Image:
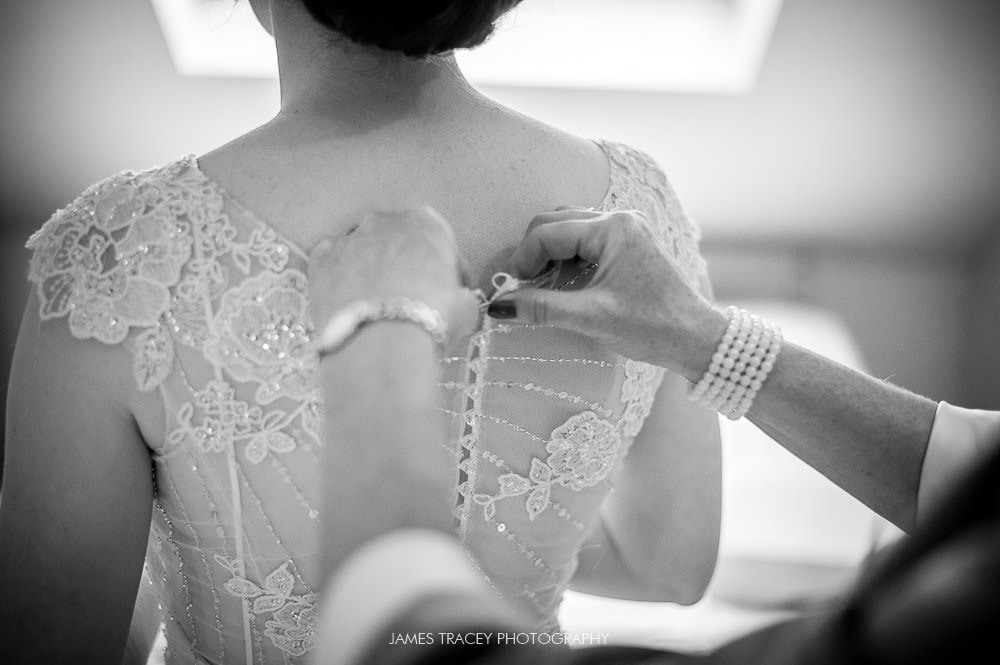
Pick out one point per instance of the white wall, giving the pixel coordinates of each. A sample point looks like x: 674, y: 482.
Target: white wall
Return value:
x: 906, y: 309
x: 982, y: 304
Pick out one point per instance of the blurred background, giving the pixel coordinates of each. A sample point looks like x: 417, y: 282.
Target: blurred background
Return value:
x: 841, y: 156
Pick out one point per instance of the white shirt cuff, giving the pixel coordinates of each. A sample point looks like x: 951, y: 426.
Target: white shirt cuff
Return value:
x: 958, y: 439
x: 383, y: 578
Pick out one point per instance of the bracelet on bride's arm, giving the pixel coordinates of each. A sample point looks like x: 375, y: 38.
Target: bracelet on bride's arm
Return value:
x: 745, y: 356
x: 343, y: 324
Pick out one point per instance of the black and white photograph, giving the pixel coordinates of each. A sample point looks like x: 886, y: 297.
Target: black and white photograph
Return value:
x: 500, y: 332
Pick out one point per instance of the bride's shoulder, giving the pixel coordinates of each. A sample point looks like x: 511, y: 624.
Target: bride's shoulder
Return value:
x: 114, y: 203
x: 636, y: 171
x: 107, y: 260
x: 630, y: 174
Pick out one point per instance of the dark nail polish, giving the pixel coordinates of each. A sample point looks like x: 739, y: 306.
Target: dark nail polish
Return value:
x: 502, y: 309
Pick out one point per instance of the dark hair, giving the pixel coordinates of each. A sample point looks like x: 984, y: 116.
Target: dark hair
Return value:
x: 417, y: 28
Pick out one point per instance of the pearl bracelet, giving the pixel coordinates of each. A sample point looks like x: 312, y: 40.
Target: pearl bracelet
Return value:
x: 741, y: 363
x: 345, y: 323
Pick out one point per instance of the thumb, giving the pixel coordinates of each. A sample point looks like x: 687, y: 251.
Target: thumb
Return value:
x: 321, y: 258
x: 565, y: 309
x: 465, y: 318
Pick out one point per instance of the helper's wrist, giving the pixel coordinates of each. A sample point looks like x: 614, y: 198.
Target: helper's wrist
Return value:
x: 743, y: 359
x: 346, y: 322
x: 698, y: 341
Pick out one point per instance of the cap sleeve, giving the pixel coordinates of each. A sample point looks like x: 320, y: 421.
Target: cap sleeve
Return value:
x: 638, y: 182
x: 106, y: 262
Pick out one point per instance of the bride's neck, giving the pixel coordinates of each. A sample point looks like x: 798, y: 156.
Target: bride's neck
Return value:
x: 326, y: 78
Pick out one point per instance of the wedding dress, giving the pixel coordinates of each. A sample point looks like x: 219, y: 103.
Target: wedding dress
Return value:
x: 212, y: 303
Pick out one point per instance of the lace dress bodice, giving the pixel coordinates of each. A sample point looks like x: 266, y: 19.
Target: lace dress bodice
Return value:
x: 213, y: 305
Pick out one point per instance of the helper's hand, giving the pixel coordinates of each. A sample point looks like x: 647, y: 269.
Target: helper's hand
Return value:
x: 638, y: 301
x: 409, y: 254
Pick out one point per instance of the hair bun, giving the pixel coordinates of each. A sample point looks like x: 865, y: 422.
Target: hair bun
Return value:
x: 417, y: 28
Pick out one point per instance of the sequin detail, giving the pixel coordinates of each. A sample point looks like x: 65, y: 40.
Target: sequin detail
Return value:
x: 108, y: 260
x: 293, y: 618
x: 582, y: 451
x: 262, y: 334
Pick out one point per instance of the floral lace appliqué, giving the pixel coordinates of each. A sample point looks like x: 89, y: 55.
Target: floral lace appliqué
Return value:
x: 582, y: 451
x: 262, y: 333
x: 154, y: 357
x: 638, y: 391
x: 107, y: 260
x: 292, y: 626
x: 638, y: 182
x: 225, y: 420
x: 145, y: 251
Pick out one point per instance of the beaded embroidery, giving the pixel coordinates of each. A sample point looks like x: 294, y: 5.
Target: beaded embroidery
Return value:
x: 263, y: 335
x: 292, y: 626
x: 108, y: 261
x: 226, y: 421
x: 213, y: 304
x: 581, y: 453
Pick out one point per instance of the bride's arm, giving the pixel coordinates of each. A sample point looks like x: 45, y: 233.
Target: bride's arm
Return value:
x: 75, y: 509
x: 657, y: 537
x: 658, y: 533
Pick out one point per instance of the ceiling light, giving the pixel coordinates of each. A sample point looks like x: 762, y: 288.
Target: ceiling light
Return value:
x: 700, y: 46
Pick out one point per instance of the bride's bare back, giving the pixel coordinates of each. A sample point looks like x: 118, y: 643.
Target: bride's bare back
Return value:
x: 486, y: 169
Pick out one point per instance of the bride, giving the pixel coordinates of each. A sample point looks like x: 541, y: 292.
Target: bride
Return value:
x: 164, y: 404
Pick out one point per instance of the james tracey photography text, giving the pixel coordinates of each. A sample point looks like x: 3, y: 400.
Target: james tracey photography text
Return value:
x: 483, y: 639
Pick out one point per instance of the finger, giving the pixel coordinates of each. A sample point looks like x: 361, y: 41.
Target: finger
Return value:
x: 464, y: 273
x: 321, y: 250
x: 426, y: 226
x: 542, y: 307
x: 558, y: 241
x: 465, y: 319
x: 431, y: 219
x: 420, y: 222
x: 325, y: 257
x: 416, y: 231
x: 561, y: 214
